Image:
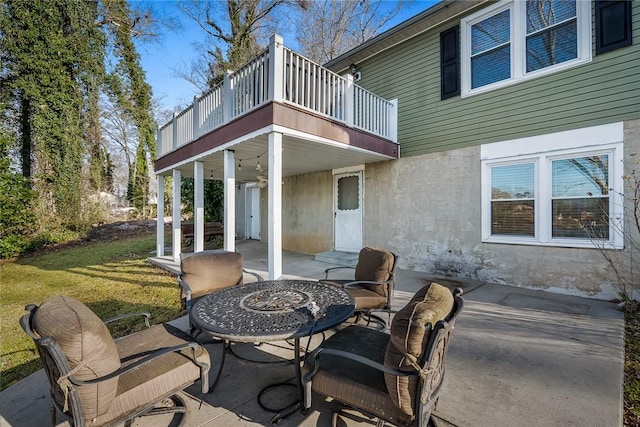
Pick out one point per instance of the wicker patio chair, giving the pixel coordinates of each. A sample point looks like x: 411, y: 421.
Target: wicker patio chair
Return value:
x: 204, y: 272
x: 394, y: 377
x: 373, y: 283
x: 96, y: 381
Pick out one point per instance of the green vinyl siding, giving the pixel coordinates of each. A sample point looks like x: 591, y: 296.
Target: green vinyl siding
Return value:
x: 605, y: 90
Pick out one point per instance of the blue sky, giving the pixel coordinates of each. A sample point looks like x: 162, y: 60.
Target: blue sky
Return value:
x: 177, y: 48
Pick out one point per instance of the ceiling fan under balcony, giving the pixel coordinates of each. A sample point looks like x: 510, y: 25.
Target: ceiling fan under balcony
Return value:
x: 262, y: 178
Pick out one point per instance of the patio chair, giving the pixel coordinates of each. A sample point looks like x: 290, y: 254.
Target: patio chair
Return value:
x: 96, y: 381
x: 373, y: 283
x: 394, y: 377
x: 204, y: 272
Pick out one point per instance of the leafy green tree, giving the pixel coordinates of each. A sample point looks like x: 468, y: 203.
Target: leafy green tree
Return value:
x: 51, y: 53
x: 213, y: 199
x: 17, y: 220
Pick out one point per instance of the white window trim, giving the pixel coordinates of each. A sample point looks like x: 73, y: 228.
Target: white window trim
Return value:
x: 542, y: 150
x: 518, y: 44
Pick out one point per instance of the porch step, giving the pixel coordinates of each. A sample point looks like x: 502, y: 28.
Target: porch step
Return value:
x: 347, y: 259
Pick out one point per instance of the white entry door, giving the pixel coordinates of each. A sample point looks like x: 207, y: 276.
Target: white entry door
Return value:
x: 253, y: 213
x: 348, y: 212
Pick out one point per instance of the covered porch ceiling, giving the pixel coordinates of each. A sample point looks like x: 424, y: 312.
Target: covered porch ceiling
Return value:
x: 299, y: 156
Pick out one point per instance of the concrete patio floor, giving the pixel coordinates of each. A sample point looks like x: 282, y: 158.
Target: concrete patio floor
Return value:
x: 517, y: 357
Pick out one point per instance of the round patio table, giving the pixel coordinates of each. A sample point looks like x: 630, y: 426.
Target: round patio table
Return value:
x: 273, y: 310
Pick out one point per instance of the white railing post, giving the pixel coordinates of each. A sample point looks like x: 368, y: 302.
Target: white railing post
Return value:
x: 227, y: 98
x: 159, y: 147
x: 196, y: 117
x: 175, y: 130
x: 349, y: 104
x: 276, y: 67
x: 393, y: 120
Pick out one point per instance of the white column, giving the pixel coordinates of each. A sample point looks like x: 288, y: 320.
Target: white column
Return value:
x: 349, y: 102
x: 275, y: 205
x: 393, y: 120
x: 276, y: 67
x: 227, y: 98
x: 196, y: 117
x: 160, y: 216
x: 174, y: 130
x: 176, y: 238
x: 159, y: 147
x: 198, y: 206
x: 229, y: 201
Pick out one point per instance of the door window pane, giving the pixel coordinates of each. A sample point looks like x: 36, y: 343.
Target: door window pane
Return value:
x: 349, y: 193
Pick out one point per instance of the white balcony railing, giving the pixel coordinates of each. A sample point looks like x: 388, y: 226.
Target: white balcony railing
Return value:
x: 279, y: 74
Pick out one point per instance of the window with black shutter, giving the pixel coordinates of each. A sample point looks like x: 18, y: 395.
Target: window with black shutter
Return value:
x: 450, y: 63
x: 613, y: 25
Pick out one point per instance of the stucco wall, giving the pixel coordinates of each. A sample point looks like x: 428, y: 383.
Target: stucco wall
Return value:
x: 307, y: 213
x: 427, y: 209
x: 241, y: 225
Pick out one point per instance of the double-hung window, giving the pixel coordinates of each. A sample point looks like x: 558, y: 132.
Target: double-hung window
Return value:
x: 515, y: 40
x: 562, y: 193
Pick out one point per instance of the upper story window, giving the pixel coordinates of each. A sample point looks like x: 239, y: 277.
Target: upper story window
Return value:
x: 517, y: 40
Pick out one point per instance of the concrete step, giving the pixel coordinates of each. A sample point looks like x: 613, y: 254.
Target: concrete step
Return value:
x: 347, y: 259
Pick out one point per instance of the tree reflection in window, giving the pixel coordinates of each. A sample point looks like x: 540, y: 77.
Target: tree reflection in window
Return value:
x: 580, y: 197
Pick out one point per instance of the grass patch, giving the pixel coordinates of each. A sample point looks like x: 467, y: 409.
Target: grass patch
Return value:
x: 632, y: 366
x: 110, y: 277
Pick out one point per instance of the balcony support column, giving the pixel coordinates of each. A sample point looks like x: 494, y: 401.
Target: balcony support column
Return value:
x: 229, y: 201
x: 176, y: 237
x: 160, y: 216
x: 275, y: 205
x: 198, y: 206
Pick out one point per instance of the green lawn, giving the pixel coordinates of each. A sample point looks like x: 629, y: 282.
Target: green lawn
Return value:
x: 632, y: 366
x: 110, y: 277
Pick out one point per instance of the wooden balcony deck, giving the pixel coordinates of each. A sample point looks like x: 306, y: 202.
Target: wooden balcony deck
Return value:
x: 281, y: 90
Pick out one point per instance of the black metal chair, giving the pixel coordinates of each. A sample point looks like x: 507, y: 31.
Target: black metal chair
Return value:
x: 394, y: 377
